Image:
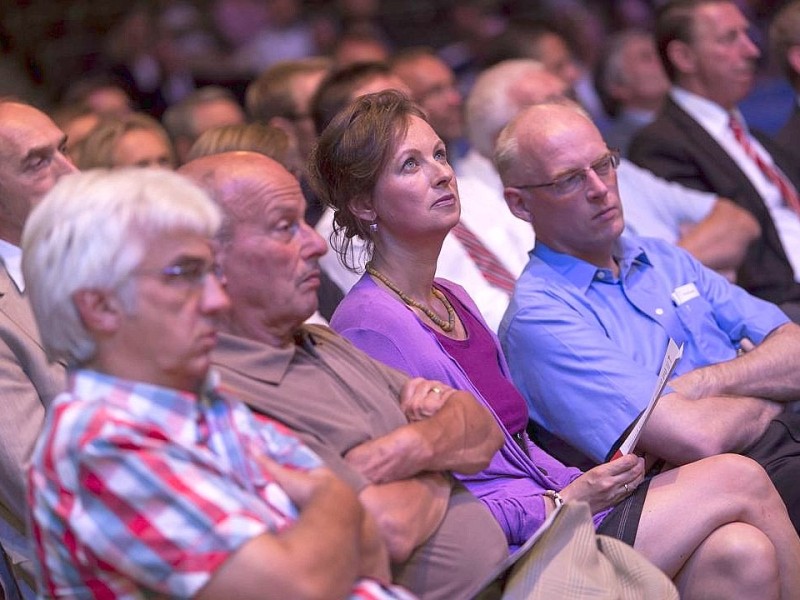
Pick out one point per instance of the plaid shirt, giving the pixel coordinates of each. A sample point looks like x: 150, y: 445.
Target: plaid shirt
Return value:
x: 142, y: 491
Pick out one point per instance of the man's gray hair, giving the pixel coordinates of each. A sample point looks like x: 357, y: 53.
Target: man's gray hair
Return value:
x: 490, y: 106
x: 90, y: 232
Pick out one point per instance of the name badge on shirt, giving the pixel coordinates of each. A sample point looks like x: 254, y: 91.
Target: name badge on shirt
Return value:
x: 684, y: 293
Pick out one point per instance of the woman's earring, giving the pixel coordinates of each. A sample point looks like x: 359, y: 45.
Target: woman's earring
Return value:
x: 373, y: 227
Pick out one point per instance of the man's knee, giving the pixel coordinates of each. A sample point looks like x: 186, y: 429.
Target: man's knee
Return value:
x: 744, y: 555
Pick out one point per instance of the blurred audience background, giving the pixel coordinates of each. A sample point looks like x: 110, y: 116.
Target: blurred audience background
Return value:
x: 157, y: 52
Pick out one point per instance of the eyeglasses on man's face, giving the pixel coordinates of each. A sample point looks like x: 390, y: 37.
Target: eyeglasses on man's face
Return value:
x: 190, y: 273
x: 574, y: 181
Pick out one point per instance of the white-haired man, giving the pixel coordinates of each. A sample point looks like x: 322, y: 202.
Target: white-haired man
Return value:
x: 147, y: 479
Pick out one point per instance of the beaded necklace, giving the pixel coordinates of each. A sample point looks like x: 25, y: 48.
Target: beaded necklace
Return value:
x: 446, y: 326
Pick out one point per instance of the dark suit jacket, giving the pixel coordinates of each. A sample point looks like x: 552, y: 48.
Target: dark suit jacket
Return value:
x: 28, y: 383
x: 789, y: 134
x: 677, y: 148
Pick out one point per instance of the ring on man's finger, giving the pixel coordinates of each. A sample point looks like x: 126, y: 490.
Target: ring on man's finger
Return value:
x: 625, y: 485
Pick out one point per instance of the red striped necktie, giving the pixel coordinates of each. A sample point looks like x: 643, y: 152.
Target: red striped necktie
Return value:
x: 488, y: 264
x: 778, y: 179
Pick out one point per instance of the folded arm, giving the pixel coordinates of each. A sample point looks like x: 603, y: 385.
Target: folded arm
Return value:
x: 765, y: 372
x: 316, y: 557
x: 720, y: 241
x: 681, y: 430
x: 407, y: 512
x: 460, y: 436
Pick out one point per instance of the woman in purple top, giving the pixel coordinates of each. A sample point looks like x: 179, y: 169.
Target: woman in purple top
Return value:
x: 716, y: 526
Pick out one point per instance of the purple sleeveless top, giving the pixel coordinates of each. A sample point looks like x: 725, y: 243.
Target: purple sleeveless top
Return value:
x: 477, y: 356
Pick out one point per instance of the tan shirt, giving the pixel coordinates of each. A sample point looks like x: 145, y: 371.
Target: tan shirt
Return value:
x: 337, y: 397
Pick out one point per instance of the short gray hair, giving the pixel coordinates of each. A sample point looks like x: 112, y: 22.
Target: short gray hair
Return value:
x: 90, y: 232
x: 489, y: 106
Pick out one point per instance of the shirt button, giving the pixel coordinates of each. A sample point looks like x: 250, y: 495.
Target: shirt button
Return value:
x: 659, y: 311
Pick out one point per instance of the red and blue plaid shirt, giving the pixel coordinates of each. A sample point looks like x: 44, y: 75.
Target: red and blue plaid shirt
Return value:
x: 142, y: 491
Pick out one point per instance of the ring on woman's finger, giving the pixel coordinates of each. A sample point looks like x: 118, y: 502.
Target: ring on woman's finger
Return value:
x: 625, y: 485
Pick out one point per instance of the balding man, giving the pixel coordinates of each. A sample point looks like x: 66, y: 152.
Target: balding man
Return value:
x: 31, y: 161
x: 594, y: 310
x: 714, y: 229
x: 347, y: 407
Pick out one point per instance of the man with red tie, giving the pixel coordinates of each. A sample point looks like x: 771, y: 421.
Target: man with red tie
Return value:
x: 701, y: 140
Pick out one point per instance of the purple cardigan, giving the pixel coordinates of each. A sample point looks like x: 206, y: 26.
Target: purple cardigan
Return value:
x: 513, y: 484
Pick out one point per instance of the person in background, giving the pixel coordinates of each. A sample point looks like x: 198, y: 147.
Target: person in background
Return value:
x: 433, y: 86
x: 148, y: 479
x: 713, y: 229
x: 546, y: 42
x: 76, y: 121
x: 700, y: 139
x: 281, y: 97
x: 104, y: 95
x: 353, y: 47
x: 249, y: 137
x: 32, y: 159
x: 203, y: 109
x: 631, y: 83
x: 784, y: 38
x: 133, y: 140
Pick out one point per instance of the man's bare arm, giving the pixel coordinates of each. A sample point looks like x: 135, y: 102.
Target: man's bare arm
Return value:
x: 407, y: 512
x: 462, y: 436
x: 317, y: 557
x: 720, y: 241
x: 768, y: 371
x: 681, y: 430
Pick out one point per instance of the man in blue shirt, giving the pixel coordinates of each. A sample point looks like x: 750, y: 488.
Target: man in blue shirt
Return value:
x: 593, y: 311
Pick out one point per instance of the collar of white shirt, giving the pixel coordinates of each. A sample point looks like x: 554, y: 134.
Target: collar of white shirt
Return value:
x: 11, y: 256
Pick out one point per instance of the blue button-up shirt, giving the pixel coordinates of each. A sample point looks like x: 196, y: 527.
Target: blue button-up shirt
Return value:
x: 585, y: 345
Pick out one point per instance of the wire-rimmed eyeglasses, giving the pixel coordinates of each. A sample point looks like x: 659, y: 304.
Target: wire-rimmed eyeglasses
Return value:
x: 190, y: 272
x: 576, y: 180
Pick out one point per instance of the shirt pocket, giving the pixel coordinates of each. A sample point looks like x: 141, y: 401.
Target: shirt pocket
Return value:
x: 697, y: 317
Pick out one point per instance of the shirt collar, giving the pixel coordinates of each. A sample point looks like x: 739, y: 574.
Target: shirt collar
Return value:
x: 711, y: 116
x: 580, y: 273
x: 258, y: 360
x: 11, y: 256
x: 638, y: 116
x: 147, y: 401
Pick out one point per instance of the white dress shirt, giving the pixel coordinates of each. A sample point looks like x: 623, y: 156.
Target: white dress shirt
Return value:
x: 11, y: 257
x: 715, y: 120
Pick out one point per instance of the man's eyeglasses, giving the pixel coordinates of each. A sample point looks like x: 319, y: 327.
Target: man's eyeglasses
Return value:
x: 576, y: 180
x: 191, y: 273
